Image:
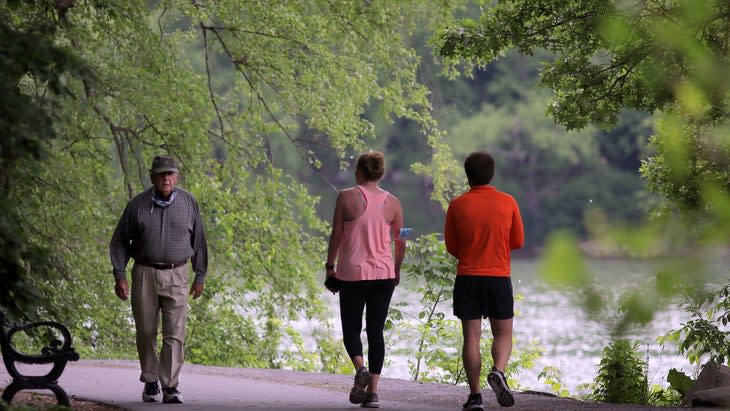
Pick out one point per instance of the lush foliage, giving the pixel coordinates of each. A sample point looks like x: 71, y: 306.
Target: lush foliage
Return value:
x: 254, y: 99
x: 557, y: 176
x: 669, y: 58
x: 653, y: 55
x: 431, y: 271
x: 220, y: 86
x: 705, y: 338
x: 610, y: 55
x: 28, y: 53
x: 553, y: 378
x: 664, y: 396
x: 622, y: 375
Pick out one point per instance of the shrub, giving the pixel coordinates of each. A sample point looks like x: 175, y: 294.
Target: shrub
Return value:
x: 622, y: 375
x: 704, y: 338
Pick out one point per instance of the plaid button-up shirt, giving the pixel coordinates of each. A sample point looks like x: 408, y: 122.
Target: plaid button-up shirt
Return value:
x: 149, y: 233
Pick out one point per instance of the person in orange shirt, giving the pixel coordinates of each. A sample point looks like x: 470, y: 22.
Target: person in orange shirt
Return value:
x: 483, y: 226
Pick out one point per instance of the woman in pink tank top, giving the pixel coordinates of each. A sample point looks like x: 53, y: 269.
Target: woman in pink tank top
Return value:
x: 367, y: 221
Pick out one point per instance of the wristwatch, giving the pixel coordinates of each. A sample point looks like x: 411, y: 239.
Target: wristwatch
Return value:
x: 329, y: 266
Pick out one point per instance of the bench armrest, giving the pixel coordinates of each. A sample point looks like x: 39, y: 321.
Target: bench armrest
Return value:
x: 55, y: 350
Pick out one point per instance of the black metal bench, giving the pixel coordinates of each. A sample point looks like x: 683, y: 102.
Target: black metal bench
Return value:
x: 57, y: 353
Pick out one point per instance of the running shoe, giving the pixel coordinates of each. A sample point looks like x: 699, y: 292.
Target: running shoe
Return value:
x: 473, y: 403
x: 151, y: 392
x: 362, y: 380
x: 172, y: 396
x: 499, y: 385
x: 370, y: 401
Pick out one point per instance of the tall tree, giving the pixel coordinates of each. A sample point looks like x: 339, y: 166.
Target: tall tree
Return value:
x: 668, y: 56
x: 30, y: 57
x: 216, y: 84
x: 557, y: 175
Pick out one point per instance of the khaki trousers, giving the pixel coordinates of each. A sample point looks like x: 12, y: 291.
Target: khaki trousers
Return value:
x: 153, y: 292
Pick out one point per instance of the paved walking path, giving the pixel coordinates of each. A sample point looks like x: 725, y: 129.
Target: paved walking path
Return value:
x: 216, y: 388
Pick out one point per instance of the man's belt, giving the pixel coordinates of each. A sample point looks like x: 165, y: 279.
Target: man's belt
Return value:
x: 163, y: 266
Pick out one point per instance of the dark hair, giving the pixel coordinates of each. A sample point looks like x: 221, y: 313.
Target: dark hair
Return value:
x: 479, y: 167
x: 371, y: 165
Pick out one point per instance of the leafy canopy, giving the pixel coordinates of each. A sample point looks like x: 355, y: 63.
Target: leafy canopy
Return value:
x: 216, y: 84
x: 608, y: 55
x: 667, y: 57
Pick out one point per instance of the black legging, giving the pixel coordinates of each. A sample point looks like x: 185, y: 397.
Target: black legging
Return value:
x: 354, y: 296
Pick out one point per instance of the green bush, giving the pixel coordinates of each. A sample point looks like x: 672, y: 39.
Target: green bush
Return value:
x: 622, y: 375
x: 664, y: 397
x: 704, y: 338
x: 553, y: 377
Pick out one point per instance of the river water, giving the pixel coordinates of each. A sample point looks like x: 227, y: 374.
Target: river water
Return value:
x: 555, y: 321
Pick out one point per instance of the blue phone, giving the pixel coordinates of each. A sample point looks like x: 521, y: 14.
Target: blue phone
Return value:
x: 404, y: 233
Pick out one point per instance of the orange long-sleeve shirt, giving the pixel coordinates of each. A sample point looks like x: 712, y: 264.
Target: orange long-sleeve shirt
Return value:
x: 482, y: 226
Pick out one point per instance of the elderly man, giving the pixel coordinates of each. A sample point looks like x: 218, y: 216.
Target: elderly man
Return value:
x: 161, y: 230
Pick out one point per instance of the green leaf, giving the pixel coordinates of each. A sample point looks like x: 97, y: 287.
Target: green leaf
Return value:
x: 563, y: 263
x: 679, y: 381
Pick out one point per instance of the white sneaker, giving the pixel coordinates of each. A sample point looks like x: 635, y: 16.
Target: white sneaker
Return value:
x: 151, y: 392
x: 172, y: 396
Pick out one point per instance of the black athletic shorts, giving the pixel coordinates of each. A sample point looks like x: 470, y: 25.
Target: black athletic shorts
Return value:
x: 477, y: 296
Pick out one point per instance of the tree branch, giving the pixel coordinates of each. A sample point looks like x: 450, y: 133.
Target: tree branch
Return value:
x: 210, y: 84
x: 559, y: 23
x: 159, y: 24
x: 266, y: 106
x: 257, y: 33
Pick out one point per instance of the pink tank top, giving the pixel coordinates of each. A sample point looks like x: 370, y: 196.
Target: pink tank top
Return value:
x: 365, y: 252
